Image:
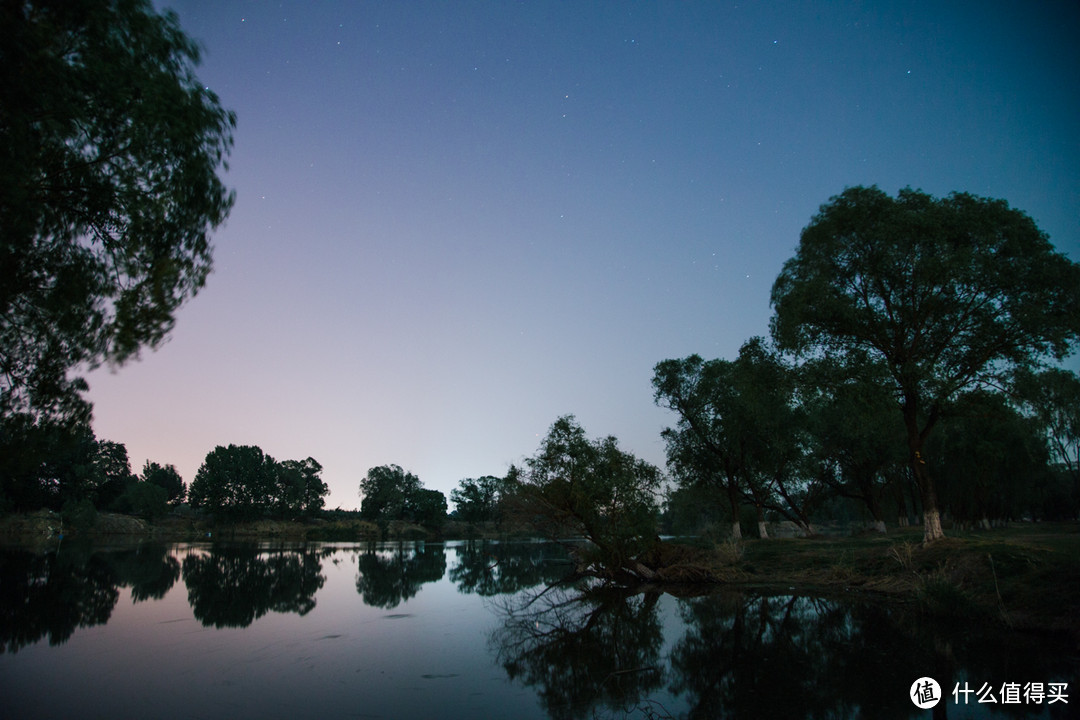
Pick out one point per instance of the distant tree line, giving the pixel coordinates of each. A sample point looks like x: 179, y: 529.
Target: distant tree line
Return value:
x: 52, y: 465
x: 49, y: 465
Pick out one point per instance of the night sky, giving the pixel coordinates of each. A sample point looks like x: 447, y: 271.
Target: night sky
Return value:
x: 457, y: 221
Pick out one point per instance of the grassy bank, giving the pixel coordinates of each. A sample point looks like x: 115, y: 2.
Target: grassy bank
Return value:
x: 1026, y: 576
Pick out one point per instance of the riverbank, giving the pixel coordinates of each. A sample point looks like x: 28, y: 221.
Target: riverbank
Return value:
x: 1025, y: 577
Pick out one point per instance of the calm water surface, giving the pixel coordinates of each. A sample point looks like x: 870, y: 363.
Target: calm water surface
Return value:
x: 460, y: 630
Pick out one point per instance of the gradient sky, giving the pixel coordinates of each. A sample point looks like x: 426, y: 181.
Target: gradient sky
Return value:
x: 457, y: 221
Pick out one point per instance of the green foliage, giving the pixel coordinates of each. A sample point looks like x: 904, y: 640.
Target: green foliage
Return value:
x: 857, y: 439
x: 947, y: 294
x: 109, y: 152
x: 693, y: 509
x: 576, y: 487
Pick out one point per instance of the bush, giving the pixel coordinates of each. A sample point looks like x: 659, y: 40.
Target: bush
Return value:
x: 79, y: 516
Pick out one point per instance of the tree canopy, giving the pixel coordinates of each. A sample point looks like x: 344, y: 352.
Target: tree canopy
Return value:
x: 109, y: 154
x: 476, y: 500
x: 740, y: 430
x: 392, y: 495
x: 576, y: 487
x: 241, y: 482
x: 948, y: 294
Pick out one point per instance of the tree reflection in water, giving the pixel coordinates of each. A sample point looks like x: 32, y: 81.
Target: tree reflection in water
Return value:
x: 232, y: 586
x: 388, y: 577
x: 582, y: 647
x: 747, y: 655
x: 585, y: 650
x: 150, y: 570
x: 51, y: 594
x: 590, y: 652
x: 488, y: 568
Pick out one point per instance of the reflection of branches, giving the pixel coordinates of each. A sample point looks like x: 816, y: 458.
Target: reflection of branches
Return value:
x: 581, y: 646
x: 387, y: 578
x: 233, y: 586
x: 498, y: 568
x: 752, y: 655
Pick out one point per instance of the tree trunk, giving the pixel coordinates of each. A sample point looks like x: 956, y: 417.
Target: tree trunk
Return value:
x: 928, y: 493
x: 641, y: 571
x: 763, y: 532
x: 931, y: 515
x: 879, y: 526
x: 733, y: 501
x: 932, y: 527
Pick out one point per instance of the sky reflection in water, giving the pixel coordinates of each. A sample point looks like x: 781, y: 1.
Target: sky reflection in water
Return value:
x: 417, y: 630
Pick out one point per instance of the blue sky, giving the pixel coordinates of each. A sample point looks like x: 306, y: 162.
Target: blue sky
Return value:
x: 457, y: 221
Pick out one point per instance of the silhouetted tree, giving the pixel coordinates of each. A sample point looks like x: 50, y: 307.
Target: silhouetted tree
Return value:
x: 300, y: 489
x: 386, y: 491
x: 741, y: 431
x: 392, y: 495
x: 856, y: 437
x: 428, y: 508
x: 233, y: 481
x: 109, y: 152
x: 242, y: 482
x: 476, y: 501
x: 948, y: 294
x: 167, y: 478
x: 576, y: 487
x: 111, y: 474
x: 46, y: 463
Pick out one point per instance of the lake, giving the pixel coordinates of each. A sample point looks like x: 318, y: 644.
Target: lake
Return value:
x: 474, y: 630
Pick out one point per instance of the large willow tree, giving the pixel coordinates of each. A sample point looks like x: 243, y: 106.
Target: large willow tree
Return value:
x: 949, y: 294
